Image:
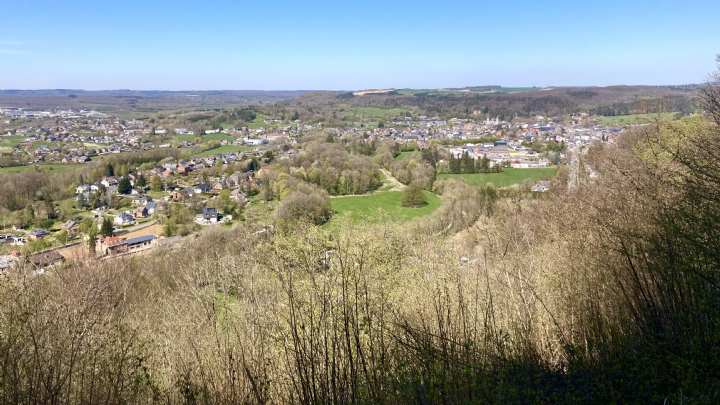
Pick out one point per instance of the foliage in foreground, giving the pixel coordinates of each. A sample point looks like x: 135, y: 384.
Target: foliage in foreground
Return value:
x: 605, y: 294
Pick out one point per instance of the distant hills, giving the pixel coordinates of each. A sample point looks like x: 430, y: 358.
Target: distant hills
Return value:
x: 509, y: 102
x: 140, y: 100
x: 491, y: 99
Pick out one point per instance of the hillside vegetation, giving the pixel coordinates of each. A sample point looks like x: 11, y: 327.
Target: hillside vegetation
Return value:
x: 508, y: 177
x: 607, y: 293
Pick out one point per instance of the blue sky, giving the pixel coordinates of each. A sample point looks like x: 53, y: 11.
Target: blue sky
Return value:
x: 194, y: 45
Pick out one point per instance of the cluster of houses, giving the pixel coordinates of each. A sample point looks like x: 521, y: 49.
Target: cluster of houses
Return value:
x: 502, y: 153
x: 109, y: 246
x: 69, y: 136
x: 15, y: 240
x: 145, y: 206
x: 580, y: 130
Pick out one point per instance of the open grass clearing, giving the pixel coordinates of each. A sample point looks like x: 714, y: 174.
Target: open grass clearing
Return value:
x: 10, y: 141
x: 508, y: 177
x: 634, y: 119
x: 384, y: 206
x: 58, y: 168
x: 408, y: 155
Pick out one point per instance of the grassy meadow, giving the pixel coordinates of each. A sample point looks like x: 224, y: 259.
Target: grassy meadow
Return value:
x: 635, y: 119
x: 11, y: 141
x: 384, y: 206
x: 43, y: 167
x: 507, y: 178
x: 408, y: 154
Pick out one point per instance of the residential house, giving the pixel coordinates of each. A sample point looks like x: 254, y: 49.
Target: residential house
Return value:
x: 141, y: 200
x: 109, y: 182
x: 151, y: 207
x: 124, y: 219
x: 177, y: 195
x: 209, y: 216
x: 120, y: 246
x: 202, y: 188
x: 82, y: 189
x: 141, y: 212
x: 36, y: 234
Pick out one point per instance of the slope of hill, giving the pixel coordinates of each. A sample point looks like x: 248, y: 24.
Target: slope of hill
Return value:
x: 510, y: 102
x: 140, y: 100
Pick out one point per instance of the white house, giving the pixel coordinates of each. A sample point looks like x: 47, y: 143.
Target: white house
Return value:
x: 124, y: 219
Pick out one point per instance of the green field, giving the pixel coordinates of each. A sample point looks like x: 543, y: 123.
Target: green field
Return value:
x: 10, y: 141
x: 633, y: 119
x: 223, y: 149
x: 508, y: 177
x: 408, y: 155
x: 7, y: 143
x: 379, y: 207
x: 359, y: 114
x: 43, y: 167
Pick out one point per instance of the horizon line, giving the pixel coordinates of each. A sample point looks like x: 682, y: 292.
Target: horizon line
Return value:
x: 358, y: 89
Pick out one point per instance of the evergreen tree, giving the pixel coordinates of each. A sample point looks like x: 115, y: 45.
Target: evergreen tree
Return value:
x: 109, y: 170
x: 124, y: 186
x: 482, y: 165
x: 454, y: 165
x: 252, y: 165
x: 141, y: 182
x: 92, y: 239
x: 107, y: 227
x: 170, y: 227
x: 156, y: 184
x: 467, y: 163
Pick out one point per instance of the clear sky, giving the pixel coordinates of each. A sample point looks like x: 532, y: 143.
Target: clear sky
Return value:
x: 345, y: 44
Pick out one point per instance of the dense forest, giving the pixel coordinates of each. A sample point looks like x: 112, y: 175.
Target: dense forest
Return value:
x: 337, y: 109
x: 331, y: 167
x: 614, y: 100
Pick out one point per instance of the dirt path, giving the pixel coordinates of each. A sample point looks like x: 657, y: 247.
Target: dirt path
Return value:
x: 392, y: 181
